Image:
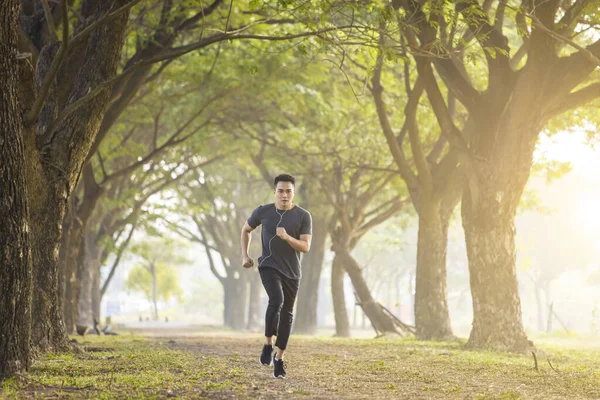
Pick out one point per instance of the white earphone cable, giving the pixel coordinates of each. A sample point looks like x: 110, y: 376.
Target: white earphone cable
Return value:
x: 271, y: 251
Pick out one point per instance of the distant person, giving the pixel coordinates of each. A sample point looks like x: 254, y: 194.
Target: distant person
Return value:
x: 286, y: 232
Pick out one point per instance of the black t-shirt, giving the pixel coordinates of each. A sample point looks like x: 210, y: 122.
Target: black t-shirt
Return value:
x: 277, y: 253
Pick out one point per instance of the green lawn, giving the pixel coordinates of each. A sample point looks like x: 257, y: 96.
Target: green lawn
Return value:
x: 226, y: 366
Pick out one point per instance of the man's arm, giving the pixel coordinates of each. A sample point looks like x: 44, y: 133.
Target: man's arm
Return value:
x: 246, y: 238
x: 302, y: 244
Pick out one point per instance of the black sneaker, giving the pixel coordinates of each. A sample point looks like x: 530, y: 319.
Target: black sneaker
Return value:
x: 266, y: 358
x: 278, y: 369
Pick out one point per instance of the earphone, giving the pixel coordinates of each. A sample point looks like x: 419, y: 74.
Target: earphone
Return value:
x: 271, y: 251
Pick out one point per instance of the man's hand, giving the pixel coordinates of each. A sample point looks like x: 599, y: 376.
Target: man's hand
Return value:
x: 247, y: 262
x: 282, y: 233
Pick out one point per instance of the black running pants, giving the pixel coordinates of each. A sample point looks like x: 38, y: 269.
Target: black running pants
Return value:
x: 282, y: 293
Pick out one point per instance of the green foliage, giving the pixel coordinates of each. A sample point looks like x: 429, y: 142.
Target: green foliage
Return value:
x: 160, y: 261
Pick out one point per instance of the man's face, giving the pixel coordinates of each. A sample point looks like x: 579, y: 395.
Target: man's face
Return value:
x: 284, y: 193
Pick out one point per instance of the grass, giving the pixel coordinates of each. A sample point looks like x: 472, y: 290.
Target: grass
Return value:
x: 226, y: 367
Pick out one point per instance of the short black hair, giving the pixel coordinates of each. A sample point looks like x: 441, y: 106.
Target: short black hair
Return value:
x: 284, y: 178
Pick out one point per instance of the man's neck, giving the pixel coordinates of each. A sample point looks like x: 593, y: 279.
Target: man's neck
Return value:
x: 282, y: 208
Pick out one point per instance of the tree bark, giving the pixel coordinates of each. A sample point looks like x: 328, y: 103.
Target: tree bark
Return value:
x: 308, y: 294
x: 96, y: 296
x: 48, y: 331
x: 432, y: 318
x: 382, y: 323
x: 86, y: 267
x: 254, y: 310
x: 15, y: 256
x: 55, y: 168
x: 69, y: 253
x: 342, y: 323
x: 235, y: 293
x: 490, y: 238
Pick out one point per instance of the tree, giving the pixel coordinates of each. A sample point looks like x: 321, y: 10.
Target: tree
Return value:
x: 156, y: 275
x: 507, y: 109
x: 125, y: 165
x: 325, y: 136
x: 212, y: 207
x: 61, y: 117
x: 68, y: 93
x: 15, y: 250
x: 435, y: 191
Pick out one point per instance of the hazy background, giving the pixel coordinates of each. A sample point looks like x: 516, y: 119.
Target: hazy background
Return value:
x: 558, y: 261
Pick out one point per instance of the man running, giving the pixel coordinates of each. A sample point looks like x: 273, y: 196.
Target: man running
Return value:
x: 286, y: 232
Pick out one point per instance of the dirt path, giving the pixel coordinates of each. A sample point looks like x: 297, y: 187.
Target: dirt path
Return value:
x: 384, y: 369
x: 201, y: 363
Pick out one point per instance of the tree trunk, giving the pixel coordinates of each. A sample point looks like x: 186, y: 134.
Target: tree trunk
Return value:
x: 490, y: 238
x: 411, y: 296
x: 540, y: 307
x: 235, y: 292
x: 85, y: 272
x: 154, y: 291
x: 96, y: 297
x: 72, y: 254
x: 308, y: 294
x: 62, y: 271
x: 382, y: 323
x: 55, y: 166
x: 431, y: 307
x: 342, y: 324
x: 48, y: 331
x: 254, y: 311
x: 15, y: 256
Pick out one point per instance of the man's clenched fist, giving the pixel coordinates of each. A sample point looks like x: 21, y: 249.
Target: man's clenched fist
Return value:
x: 282, y: 233
x: 247, y: 262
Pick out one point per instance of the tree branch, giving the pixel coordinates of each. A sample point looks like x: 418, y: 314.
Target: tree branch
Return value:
x: 49, y: 20
x: 569, y: 19
x: 574, y: 69
x: 589, y: 55
x: 61, y: 54
x: 48, y: 136
x: 493, y: 42
x: 381, y: 217
x: 117, y: 261
x: 574, y: 100
x: 189, y: 235
x: 415, y: 142
x: 398, y: 155
x: 236, y: 35
x: 499, y: 18
x: 203, y: 13
x: 211, y: 261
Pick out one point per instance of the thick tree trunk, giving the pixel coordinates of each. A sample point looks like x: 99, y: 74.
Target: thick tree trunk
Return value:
x: 235, y: 292
x: 15, y: 256
x: 48, y: 331
x: 308, y: 294
x: 56, y: 165
x: 382, y: 323
x: 342, y: 324
x: 490, y: 238
x: 254, y: 311
x: 48, y: 193
x: 72, y: 234
x: 431, y: 306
